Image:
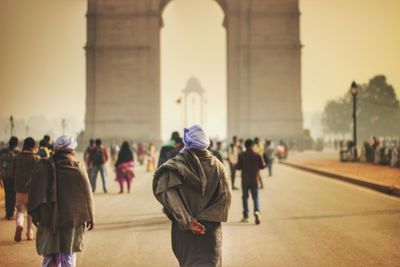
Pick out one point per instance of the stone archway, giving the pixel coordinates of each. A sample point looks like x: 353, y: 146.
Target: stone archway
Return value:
x: 123, y: 68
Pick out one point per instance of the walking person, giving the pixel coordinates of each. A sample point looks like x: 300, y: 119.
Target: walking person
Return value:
x: 97, y: 160
x: 167, y: 148
x: 23, y: 165
x: 43, y: 151
x: 61, y: 205
x: 141, y: 153
x: 269, y: 156
x: 124, y: 167
x: 151, y: 158
x: 7, y: 157
x: 87, y: 155
x: 217, y: 151
x: 233, y: 155
x: 250, y: 163
x: 178, y: 147
x: 195, y: 191
x: 259, y: 149
x: 49, y: 143
x: 114, y: 150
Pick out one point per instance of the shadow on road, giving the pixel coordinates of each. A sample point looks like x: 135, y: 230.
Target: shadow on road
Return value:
x: 355, y: 214
x: 12, y: 243
x: 239, y: 223
x: 143, y: 214
x: 138, y: 224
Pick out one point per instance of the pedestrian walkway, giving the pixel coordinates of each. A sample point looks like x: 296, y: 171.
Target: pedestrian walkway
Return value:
x: 307, y: 221
x: 381, y: 178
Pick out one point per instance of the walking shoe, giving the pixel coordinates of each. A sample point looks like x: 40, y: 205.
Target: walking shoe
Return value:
x: 18, y: 234
x: 257, y: 217
x: 244, y: 220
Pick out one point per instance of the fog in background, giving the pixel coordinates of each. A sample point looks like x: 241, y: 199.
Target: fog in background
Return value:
x: 192, y: 46
x: 42, y: 66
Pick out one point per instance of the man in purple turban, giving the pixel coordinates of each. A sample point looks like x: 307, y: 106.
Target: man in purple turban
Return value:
x: 195, y: 191
x: 61, y: 205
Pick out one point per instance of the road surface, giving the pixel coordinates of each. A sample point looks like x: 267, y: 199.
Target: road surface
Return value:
x: 307, y: 220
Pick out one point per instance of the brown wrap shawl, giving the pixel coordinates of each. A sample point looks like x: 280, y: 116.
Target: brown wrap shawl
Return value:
x: 60, y: 194
x: 201, y: 183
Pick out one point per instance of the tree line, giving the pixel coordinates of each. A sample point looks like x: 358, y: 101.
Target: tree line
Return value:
x: 378, y: 111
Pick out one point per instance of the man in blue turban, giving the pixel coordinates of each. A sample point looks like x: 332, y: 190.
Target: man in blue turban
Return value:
x: 195, y: 191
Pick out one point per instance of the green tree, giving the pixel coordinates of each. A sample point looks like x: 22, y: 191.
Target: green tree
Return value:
x: 378, y: 111
x: 336, y: 119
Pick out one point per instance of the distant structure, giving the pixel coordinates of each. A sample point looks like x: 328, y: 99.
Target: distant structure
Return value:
x: 123, y: 68
x: 193, y: 87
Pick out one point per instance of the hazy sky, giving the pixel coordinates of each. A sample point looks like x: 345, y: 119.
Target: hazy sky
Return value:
x: 194, y: 46
x: 42, y: 64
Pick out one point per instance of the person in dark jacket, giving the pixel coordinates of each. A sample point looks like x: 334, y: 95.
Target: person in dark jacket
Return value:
x: 23, y: 165
x: 98, y: 158
x: 195, y: 191
x: 250, y: 164
x: 167, y: 148
x: 61, y: 205
x: 7, y: 156
x: 216, y: 152
x: 178, y: 147
x: 43, y: 151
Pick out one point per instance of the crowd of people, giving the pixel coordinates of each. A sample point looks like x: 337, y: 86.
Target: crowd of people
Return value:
x: 45, y: 181
x: 49, y: 185
x: 382, y: 151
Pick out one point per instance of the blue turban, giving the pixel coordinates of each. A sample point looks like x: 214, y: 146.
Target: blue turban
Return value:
x: 195, y: 138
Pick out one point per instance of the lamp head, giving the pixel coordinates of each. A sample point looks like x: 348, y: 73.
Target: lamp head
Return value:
x: 354, y: 88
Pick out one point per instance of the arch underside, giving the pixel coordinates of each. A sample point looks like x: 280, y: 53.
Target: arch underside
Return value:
x: 164, y: 3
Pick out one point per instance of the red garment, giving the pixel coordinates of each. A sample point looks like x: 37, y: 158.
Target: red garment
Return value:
x: 124, y: 171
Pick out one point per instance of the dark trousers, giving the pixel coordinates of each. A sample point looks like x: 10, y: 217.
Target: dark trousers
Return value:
x: 261, y: 182
x: 93, y: 176
x: 198, y: 250
x: 233, y: 173
x: 9, y: 189
x: 270, y: 167
x: 245, y: 196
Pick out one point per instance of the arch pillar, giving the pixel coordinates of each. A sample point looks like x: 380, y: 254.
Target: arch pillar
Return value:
x: 123, y: 68
x: 264, y: 67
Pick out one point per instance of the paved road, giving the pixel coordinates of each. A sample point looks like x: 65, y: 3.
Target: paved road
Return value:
x: 308, y: 220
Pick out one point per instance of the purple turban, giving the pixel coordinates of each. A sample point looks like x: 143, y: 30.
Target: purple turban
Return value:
x: 195, y: 138
x: 65, y: 143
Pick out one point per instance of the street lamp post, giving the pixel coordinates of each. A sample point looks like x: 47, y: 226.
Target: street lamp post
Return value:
x: 12, y: 125
x: 354, y: 91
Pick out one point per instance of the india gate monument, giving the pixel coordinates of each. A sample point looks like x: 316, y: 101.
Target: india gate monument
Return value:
x: 123, y: 68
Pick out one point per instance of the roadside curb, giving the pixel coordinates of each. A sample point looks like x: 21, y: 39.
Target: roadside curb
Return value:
x: 374, y: 186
